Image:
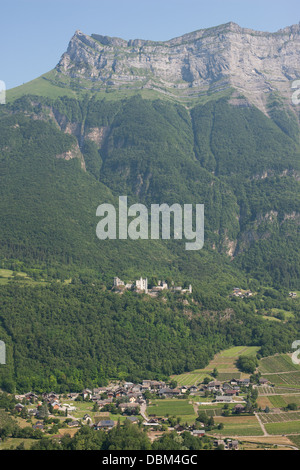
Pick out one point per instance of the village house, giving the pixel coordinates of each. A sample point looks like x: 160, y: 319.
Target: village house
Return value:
x: 73, y: 396
x: 157, y: 385
x: 31, y: 396
x: 120, y: 392
x: 224, y: 399
x: 87, y: 419
x: 19, y: 407
x: 102, y: 403
x: 233, y: 445
x: 55, y: 405
x: 66, y: 407
x: 219, y: 442
x: 239, y: 408
x: 87, y: 393
x: 73, y: 424
x: 168, y: 392
x: 263, y: 381
x: 198, y: 432
x: 128, y: 385
x: 137, y: 388
x: 33, y: 411
x: 231, y: 393
x: 293, y: 294
x: 39, y: 426
x: 244, y: 382
x: 104, y: 424
x: 128, y: 406
x: 214, y: 385
x: 99, y: 390
x: 226, y: 387
x: 179, y: 428
x: 234, y: 381
x: 133, y: 419
x: 152, y: 422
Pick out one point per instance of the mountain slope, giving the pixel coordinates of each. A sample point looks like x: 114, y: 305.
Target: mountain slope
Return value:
x: 235, y: 161
x: 188, y: 121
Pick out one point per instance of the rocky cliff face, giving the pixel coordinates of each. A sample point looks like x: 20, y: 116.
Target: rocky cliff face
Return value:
x: 206, y: 61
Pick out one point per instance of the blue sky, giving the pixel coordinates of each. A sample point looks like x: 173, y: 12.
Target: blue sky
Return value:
x: 35, y: 33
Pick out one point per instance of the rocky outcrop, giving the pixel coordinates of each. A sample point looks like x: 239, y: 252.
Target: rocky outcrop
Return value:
x: 74, y: 152
x: 209, y: 60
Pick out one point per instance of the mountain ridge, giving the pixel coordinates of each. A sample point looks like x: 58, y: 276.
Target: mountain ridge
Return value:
x: 255, y: 64
x: 66, y: 148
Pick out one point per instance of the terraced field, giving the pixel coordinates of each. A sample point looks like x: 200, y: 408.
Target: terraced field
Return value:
x: 285, y: 378
x: 277, y: 364
x: 192, y: 378
x: 224, y: 362
x: 280, y: 417
x: 277, y: 401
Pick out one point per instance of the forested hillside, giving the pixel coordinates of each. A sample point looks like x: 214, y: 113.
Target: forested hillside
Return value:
x: 60, y: 158
x: 236, y: 161
x: 65, y: 338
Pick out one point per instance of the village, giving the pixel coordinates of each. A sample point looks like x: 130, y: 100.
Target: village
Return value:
x: 136, y: 403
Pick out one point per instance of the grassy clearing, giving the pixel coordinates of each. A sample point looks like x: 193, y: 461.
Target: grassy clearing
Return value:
x: 266, y: 317
x: 171, y: 407
x: 40, y: 86
x: 237, y: 351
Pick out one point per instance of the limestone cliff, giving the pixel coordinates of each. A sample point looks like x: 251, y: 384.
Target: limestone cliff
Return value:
x: 205, y: 61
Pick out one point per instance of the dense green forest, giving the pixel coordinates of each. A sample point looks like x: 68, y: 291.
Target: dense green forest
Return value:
x: 239, y: 163
x: 61, y: 158
x: 66, y: 338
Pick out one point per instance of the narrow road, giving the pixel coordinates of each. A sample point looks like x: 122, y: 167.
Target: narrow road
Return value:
x: 261, y: 425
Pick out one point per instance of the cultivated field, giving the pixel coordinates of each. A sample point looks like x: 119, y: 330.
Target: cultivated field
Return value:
x: 277, y: 364
x: 173, y: 407
x: 224, y: 362
x: 287, y: 427
x: 279, y: 417
x: 238, y: 426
